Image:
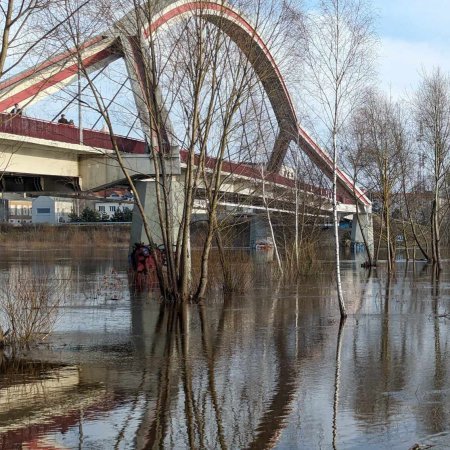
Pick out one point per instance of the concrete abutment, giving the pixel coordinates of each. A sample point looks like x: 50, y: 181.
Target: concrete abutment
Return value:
x: 365, y: 226
x: 173, y: 210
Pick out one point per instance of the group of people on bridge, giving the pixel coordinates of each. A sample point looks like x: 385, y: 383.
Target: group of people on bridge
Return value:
x: 17, y: 111
x: 64, y: 121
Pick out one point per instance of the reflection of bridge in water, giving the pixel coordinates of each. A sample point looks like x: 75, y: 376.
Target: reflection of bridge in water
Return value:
x: 48, y: 158
x: 177, y: 380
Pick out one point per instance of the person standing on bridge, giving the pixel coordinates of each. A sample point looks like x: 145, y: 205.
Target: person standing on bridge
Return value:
x: 16, y: 110
x: 63, y: 120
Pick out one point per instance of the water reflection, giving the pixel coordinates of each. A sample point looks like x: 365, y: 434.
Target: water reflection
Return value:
x: 205, y: 394
x: 269, y: 369
x: 337, y: 382
x: 35, y: 397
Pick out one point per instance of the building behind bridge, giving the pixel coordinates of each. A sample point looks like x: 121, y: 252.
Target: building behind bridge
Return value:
x: 16, y: 210
x: 52, y: 210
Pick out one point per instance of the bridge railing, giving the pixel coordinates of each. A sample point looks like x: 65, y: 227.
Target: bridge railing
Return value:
x: 253, y: 172
x: 42, y: 129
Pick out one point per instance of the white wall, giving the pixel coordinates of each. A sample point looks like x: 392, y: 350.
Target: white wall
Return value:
x: 51, y: 210
x: 111, y: 207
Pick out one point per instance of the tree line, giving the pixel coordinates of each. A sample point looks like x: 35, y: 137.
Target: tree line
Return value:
x: 399, y: 150
x: 89, y: 215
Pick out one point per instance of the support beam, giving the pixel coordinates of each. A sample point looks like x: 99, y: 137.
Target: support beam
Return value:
x: 98, y: 172
x: 139, y: 69
x: 146, y: 191
x: 366, y: 228
x: 260, y: 231
x: 279, y: 151
x: 30, y: 86
x: 136, y: 74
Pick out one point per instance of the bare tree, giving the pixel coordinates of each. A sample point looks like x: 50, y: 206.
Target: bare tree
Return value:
x: 381, y: 141
x: 29, y: 306
x: 414, y: 194
x: 201, y: 78
x: 21, y: 37
x: 432, y: 113
x: 24, y: 33
x: 354, y: 154
x: 15, y: 17
x: 338, y: 55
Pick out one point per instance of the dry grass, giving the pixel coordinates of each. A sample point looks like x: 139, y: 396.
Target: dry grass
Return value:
x: 36, y: 236
x: 14, y: 371
x: 308, y: 260
x: 236, y: 276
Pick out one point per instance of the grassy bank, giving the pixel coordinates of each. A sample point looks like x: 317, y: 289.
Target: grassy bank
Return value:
x: 67, y: 235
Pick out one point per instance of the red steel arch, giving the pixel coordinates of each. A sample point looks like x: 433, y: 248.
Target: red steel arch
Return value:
x: 30, y: 86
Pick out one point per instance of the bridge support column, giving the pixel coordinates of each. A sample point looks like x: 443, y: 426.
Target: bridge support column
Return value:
x: 366, y: 227
x: 146, y: 190
x: 279, y: 150
x: 140, y: 84
x: 260, y: 231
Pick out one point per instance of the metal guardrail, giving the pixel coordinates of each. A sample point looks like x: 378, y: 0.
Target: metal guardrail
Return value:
x: 90, y: 224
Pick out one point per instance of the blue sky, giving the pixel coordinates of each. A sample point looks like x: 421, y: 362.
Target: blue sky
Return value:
x: 414, y: 36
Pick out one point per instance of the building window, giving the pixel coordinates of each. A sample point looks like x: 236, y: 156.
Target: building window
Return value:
x: 112, y: 209
x: 43, y: 210
x: 101, y: 208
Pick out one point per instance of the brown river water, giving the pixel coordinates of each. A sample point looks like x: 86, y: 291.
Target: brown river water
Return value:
x: 271, y: 368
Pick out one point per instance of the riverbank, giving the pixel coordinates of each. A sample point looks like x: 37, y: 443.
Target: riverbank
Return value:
x: 73, y: 235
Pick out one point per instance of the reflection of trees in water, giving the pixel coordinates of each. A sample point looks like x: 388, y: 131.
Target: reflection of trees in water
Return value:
x: 379, y: 358
x: 395, y: 373
x: 227, y: 376
x: 258, y: 370
x: 224, y: 380
x: 433, y: 408
x: 337, y: 383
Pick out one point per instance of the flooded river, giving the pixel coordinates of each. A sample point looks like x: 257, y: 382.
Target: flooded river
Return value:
x: 271, y: 368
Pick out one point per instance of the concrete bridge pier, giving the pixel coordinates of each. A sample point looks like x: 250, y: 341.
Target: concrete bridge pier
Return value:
x: 260, y: 231
x: 146, y: 190
x: 366, y: 227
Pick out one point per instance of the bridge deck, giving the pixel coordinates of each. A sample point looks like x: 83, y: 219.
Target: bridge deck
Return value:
x: 41, y: 129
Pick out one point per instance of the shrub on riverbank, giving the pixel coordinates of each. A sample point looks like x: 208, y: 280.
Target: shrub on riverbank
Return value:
x: 29, y: 305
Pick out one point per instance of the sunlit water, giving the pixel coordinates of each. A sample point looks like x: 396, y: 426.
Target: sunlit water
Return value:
x: 259, y: 370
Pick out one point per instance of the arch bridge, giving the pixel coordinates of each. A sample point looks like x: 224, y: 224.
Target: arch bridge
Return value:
x: 30, y: 86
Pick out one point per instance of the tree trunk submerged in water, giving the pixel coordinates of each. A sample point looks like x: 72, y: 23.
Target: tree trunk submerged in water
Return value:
x: 340, y: 295
x: 339, y: 67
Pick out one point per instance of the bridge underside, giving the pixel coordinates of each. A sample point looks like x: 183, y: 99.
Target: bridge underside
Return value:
x: 43, y: 185
x: 38, y: 166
